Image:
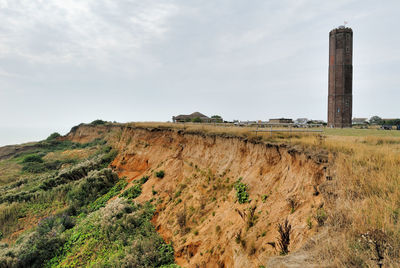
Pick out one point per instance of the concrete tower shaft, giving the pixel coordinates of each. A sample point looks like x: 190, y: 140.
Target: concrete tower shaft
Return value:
x: 340, y: 97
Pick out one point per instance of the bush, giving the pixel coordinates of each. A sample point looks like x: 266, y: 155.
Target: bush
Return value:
x: 132, y: 192
x: 160, y: 174
x: 39, y: 246
x: 34, y: 167
x: 96, y: 184
x: 143, y: 179
x: 284, y: 237
x: 98, y: 122
x: 241, y: 191
x: 321, y: 217
x: 33, y: 158
x: 53, y: 136
x: 118, y: 235
x: 102, y: 200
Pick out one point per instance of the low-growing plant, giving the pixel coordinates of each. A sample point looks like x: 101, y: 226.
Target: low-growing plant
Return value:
x: 132, y: 192
x: 321, y: 216
x: 241, y: 191
x: 102, y: 200
x: 309, y: 223
x: 181, y: 218
x: 264, y: 198
x: 32, y: 158
x: 284, y: 237
x: 218, y: 229
x: 154, y: 192
x: 160, y: 174
x: 251, y: 217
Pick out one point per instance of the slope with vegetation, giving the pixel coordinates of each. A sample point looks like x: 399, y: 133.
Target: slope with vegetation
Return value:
x: 58, y: 213
x: 203, y: 196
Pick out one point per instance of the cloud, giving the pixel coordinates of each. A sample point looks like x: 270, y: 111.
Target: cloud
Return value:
x: 80, y: 32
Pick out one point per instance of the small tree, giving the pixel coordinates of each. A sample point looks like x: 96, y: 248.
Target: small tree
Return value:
x: 98, y: 122
x: 375, y: 120
x: 53, y: 136
x: 196, y: 120
x: 217, y: 118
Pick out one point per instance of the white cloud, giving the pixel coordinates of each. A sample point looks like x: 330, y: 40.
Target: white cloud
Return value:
x: 54, y: 32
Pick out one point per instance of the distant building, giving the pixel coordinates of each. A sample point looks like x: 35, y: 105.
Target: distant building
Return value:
x: 194, y: 117
x: 360, y: 121
x: 280, y: 121
x: 318, y: 122
x: 301, y: 121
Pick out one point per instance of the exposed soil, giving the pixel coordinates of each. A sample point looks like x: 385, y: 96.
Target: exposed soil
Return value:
x: 197, y: 207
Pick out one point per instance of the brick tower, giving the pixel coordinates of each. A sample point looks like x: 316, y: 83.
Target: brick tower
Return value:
x: 340, y: 98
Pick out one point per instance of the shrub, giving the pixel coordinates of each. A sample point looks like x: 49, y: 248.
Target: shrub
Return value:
x: 309, y: 223
x: 125, y: 235
x: 41, y: 245
x: 196, y: 120
x: 241, y: 191
x: 321, y: 216
x: 98, y: 122
x: 34, y: 167
x: 132, y: 192
x: 264, y: 198
x: 181, y: 218
x: 251, y: 217
x: 96, y: 184
x: 143, y: 180
x: 32, y: 158
x: 160, y: 174
x: 284, y: 237
x: 53, y: 136
x: 102, y: 200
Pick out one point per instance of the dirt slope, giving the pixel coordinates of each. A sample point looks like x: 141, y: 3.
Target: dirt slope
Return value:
x: 197, y: 207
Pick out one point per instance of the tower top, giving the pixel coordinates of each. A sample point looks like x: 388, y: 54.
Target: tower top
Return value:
x: 341, y: 29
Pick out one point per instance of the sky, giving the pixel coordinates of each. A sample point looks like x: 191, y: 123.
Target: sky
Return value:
x: 72, y: 61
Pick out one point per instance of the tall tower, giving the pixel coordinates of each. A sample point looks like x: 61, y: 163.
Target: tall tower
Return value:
x: 340, y: 97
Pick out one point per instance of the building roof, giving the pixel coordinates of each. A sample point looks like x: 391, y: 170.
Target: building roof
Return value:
x: 191, y: 116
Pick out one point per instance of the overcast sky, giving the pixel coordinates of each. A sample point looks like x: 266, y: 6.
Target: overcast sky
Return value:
x: 63, y: 62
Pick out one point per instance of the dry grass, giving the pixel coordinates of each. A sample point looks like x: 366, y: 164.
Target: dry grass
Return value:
x: 9, y: 171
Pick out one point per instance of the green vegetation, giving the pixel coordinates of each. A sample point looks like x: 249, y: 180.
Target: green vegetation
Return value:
x: 72, y: 221
x: 107, y: 236
x: 132, y: 192
x: 53, y: 136
x: 160, y: 174
x: 102, y: 200
x: 98, y: 122
x: 196, y: 120
x: 309, y: 223
x: 241, y: 191
x: 136, y: 189
x: 217, y: 118
x: 321, y: 216
x: 264, y: 198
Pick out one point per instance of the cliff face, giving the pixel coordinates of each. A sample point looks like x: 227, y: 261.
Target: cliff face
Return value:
x: 196, y: 200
